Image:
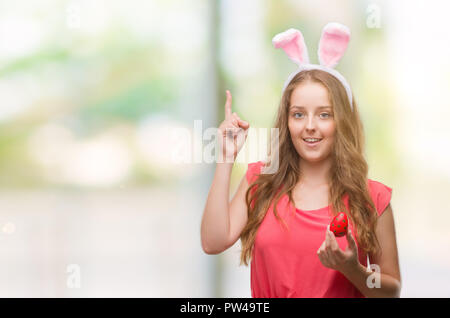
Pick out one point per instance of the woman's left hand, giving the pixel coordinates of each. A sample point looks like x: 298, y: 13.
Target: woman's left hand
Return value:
x: 331, y: 255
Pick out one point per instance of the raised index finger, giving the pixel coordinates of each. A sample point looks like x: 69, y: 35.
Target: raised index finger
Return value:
x: 228, y: 105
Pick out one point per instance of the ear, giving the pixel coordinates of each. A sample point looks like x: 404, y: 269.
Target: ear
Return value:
x: 333, y: 44
x: 292, y: 42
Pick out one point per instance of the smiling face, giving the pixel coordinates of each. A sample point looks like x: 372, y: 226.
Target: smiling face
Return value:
x: 311, y: 116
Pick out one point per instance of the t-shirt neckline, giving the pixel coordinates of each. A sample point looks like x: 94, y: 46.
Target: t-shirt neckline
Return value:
x: 314, y: 210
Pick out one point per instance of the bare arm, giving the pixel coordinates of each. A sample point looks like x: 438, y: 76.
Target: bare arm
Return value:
x: 388, y: 262
x: 222, y: 221
x: 215, y: 221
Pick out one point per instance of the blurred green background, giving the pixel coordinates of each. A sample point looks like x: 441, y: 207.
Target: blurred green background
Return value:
x: 92, y: 91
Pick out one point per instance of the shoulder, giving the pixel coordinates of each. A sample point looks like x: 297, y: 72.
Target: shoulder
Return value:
x: 254, y: 168
x: 377, y: 187
x: 381, y: 195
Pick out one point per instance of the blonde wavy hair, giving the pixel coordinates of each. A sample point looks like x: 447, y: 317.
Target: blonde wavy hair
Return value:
x: 348, y: 173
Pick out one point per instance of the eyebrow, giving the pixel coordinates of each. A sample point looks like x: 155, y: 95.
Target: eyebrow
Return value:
x: 303, y: 107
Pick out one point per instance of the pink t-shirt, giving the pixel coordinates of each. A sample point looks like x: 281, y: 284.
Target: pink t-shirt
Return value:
x: 285, y: 263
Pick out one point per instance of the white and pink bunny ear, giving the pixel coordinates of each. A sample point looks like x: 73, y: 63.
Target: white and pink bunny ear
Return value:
x: 333, y: 44
x: 293, y: 43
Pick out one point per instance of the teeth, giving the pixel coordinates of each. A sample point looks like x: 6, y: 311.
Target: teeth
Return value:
x: 311, y: 140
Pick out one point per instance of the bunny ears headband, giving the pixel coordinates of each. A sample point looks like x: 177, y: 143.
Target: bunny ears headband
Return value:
x: 332, y: 46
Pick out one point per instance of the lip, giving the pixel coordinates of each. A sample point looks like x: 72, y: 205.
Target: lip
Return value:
x: 312, y: 144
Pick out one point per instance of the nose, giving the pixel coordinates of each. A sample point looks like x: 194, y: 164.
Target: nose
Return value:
x: 310, y: 124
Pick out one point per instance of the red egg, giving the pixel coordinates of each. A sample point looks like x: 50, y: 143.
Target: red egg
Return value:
x: 339, y: 224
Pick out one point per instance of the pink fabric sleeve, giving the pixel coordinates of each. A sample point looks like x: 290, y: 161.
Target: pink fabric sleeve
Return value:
x: 381, y: 195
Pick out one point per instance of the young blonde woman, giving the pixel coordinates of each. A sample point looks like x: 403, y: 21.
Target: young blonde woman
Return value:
x: 282, y: 218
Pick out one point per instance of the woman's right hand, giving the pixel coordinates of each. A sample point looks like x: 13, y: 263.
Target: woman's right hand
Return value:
x: 232, y: 133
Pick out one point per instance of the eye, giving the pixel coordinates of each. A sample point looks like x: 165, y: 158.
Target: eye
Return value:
x: 327, y: 115
x: 297, y: 114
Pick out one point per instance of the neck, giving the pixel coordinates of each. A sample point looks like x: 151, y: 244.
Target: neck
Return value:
x: 315, y: 173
